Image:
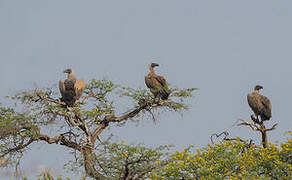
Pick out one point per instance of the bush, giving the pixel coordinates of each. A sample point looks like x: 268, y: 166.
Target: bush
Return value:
x: 230, y: 160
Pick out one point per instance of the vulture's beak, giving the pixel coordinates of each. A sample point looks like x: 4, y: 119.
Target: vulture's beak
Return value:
x: 66, y: 71
x: 155, y: 64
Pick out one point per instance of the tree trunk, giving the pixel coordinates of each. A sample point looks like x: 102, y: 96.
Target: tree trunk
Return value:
x: 264, y: 135
x: 89, y: 161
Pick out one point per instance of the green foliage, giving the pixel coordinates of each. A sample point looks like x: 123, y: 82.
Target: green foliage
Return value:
x: 230, y: 160
x: 182, y: 93
x: 10, y: 121
x: 141, y: 94
x: 99, y: 91
x: 100, y: 86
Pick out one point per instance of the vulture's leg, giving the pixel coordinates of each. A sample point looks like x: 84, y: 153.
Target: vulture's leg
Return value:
x: 255, y: 118
x: 159, y: 100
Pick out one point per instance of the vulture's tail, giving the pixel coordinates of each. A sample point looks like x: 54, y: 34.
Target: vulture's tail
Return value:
x: 266, y: 116
x: 164, y: 93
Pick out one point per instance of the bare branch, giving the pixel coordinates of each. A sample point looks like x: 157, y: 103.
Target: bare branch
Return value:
x: 233, y: 139
x: 251, y: 125
x: 259, y: 126
x: 272, y: 128
x: 225, y: 133
x: 60, y: 138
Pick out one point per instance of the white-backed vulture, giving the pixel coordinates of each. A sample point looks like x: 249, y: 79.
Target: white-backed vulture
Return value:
x: 157, y: 84
x: 71, y: 89
x: 260, y: 105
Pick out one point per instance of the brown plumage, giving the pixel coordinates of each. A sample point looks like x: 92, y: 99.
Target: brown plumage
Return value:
x: 157, y: 84
x: 71, y: 89
x: 260, y: 105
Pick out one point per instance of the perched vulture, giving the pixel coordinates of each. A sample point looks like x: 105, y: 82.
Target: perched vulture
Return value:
x: 260, y: 105
x: 157, y: 84
x: 71, y: 89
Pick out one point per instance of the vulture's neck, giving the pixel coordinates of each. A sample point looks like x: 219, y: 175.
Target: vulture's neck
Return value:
x: 71, y: 76
x: 151, y: 70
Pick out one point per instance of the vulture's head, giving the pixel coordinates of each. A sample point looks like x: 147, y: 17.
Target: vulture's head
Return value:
x: 154, y: 65
x: 68, y: 71
x: 258, y: 87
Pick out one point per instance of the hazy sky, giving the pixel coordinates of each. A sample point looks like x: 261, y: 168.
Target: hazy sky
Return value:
x: 222, y: 47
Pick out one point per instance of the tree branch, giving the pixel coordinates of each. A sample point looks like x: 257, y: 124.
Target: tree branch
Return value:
x: 112, y: 118
x: 49, y: 99
x: 258, y: 126
x: 63, y: 141
x: 37, y: 136
x: 272, y: 128
x: 17, y: 148
x: 251, y: 125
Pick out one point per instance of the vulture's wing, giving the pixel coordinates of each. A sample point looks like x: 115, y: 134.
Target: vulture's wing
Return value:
x: 267, y: 106
x: 164, y: 91
x: 266, y: 102
x: 161, y: 81
x: 79, y: 87
x: 62, y: 87
x: 254, y: 103
x: 149, y: 82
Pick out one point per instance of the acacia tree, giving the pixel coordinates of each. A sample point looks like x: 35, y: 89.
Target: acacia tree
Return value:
x: 78, y: 128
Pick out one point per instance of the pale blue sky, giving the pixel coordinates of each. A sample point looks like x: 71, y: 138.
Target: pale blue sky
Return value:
x: 222, y: 47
